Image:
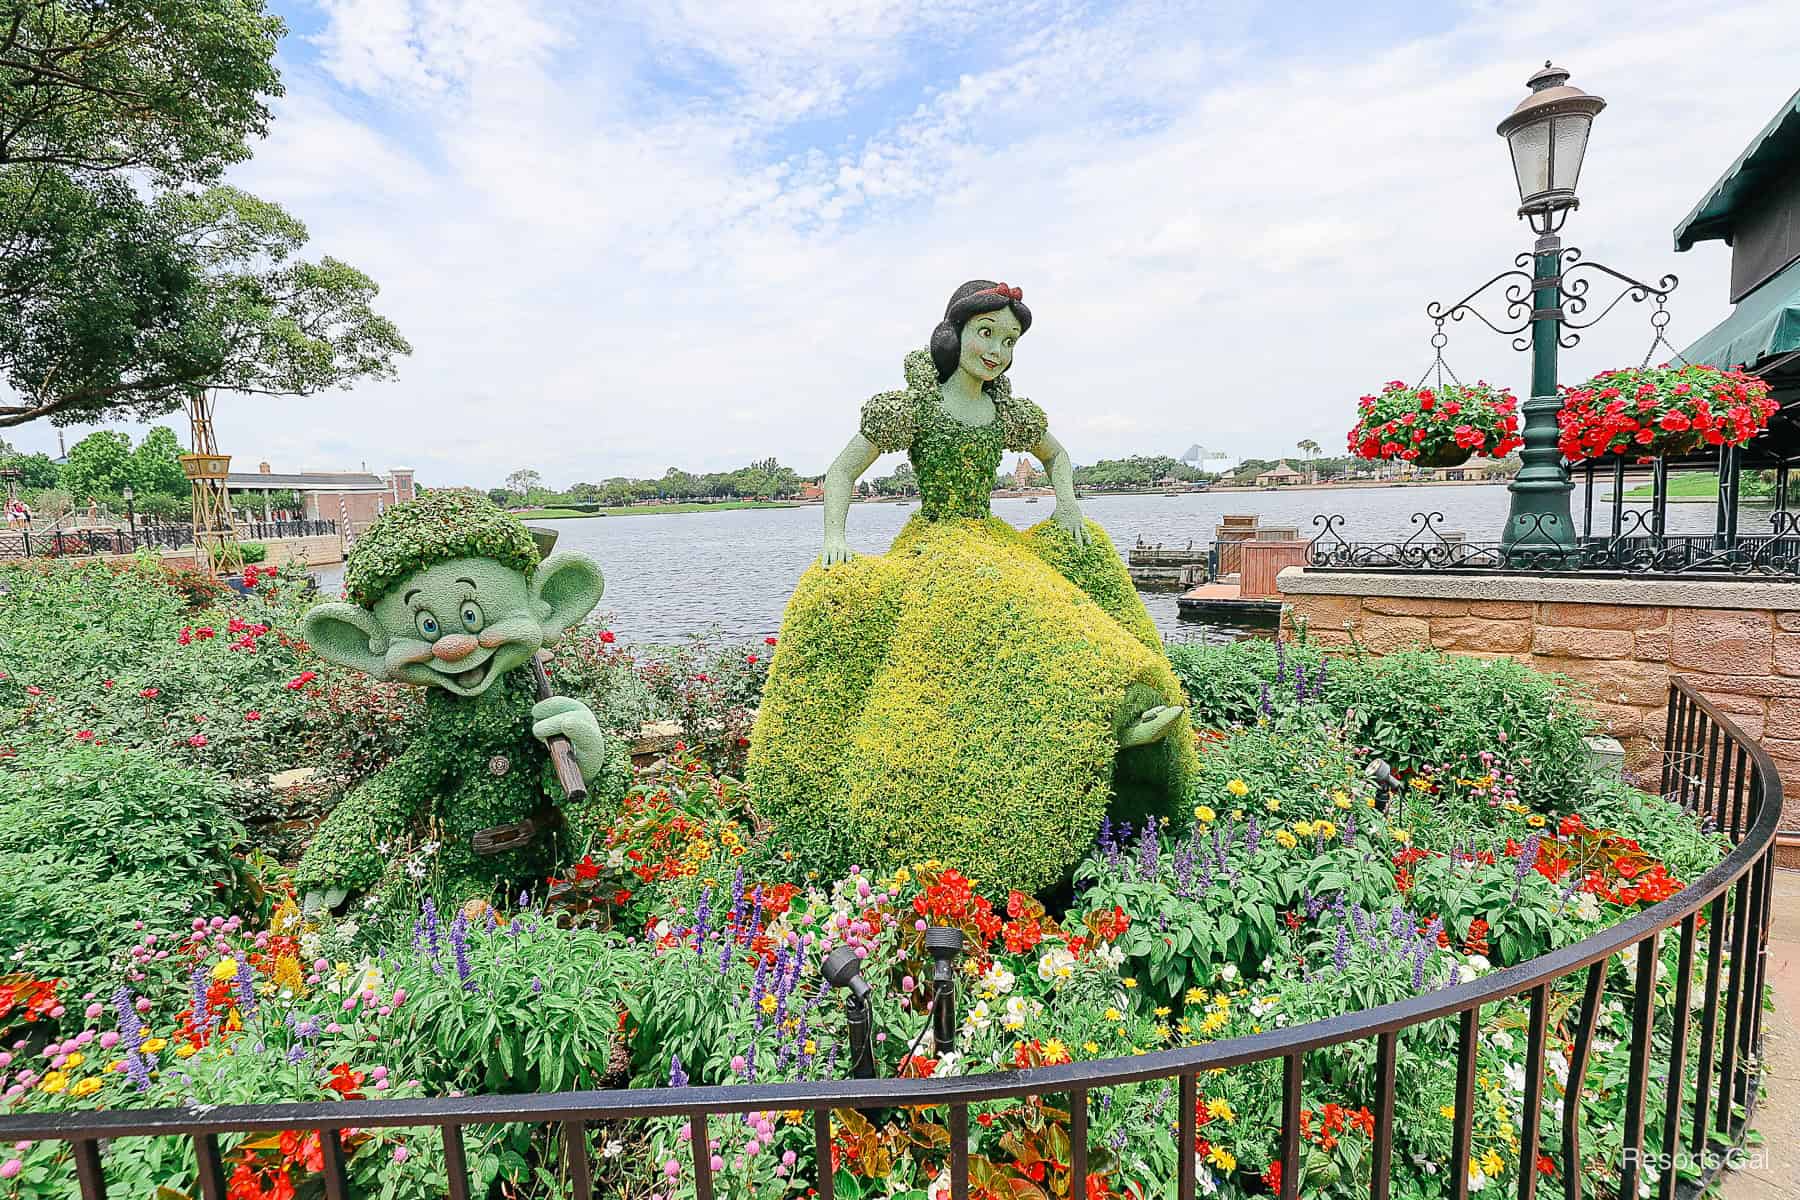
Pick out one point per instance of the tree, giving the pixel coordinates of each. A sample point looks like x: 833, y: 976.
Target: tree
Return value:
x: 35, y: 470
x: 99, y: 463
x: 521, y: 482
x: 172, y: 87
x: 156, y: 464
x: 131, y: 305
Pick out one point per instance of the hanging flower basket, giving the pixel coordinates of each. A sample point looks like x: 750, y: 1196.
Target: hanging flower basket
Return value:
x: 1661, y: 412
x: 1436, y: 427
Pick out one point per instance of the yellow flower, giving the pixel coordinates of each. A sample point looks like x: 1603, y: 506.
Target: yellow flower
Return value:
x: 1220, y: 1108
x: 1237, y: 814
x: 1492, y: 1164
x: 1273, y: 804
x: 1325, y: 829
x: 1238, y: 788
x: 1214, y: 1022
x: 225, y: 969
x: 1419, y: 784
x: 1113, y: 1014
x: 1162, y: 1010
x: 1091, y: 1047
x: 1368, y: 801
x: 154, y: 1045
x: 1204, y: 815
x: 185, y: 1051
x: 1448, y: 1112
x: 1128, y: 982
x: 1182, y: 1025
x: 1195, y: 996
x: 1340, y: 799
x: 1055, y: 1051
x: 1286, y: 840
x: 1400, y: 835
x: 1303, y: 828
x: 54, y: 1082
x: 1535, y: 820
x: 85, y: 1087
x: 811, y: 1046
x: 1161, y: 1030
x: 768, y: 1002
x: 75, y: 1060
x: 1221, y: 1158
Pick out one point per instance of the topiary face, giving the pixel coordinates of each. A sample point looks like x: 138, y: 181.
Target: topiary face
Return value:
x: 452, y: 596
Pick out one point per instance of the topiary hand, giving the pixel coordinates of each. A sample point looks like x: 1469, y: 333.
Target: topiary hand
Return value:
x: 574, y: 720
x: 1068, y: 515
x: 837, y: 550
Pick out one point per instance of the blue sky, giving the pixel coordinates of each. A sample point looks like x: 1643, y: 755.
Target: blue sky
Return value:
x: 632, y: 234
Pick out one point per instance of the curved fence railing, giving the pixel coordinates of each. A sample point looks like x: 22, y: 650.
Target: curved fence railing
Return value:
x: 73, y: 543
x: 1710, y: 766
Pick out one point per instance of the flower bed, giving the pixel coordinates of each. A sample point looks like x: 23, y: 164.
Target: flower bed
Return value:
x: 1658, y: 412
x: 683, y: 948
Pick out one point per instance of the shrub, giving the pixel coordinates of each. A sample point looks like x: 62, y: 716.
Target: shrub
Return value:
x: 1418, y: 709
x: 93, y: 837
x: 252, y: 552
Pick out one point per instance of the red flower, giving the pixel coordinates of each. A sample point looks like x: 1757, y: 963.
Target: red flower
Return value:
x: 586, y: 869
x: 149, y: 693
x: 751, y: 660
x: 1097, y: 1188
x: 34, y: 690
x: 106, y: 683
x: 1272, y: 1177
x: 204, y: 632
x: 606, y: 636
x: 1546, y: 1165
x: 301, y: 680
x: 197, y: 741
x: 84, y: 735
x: 769, y: 641
x: 344, y: 1082
x: 621, y: 896
x: 253, y: 715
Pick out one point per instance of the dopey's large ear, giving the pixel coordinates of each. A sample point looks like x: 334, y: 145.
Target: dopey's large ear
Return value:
x: 348, y: 636
x: 566, y: 587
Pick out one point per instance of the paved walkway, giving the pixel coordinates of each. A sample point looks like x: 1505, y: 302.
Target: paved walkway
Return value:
x: 1773, y: 1169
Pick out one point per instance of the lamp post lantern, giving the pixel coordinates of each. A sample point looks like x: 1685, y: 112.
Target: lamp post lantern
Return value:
x: 130, y: 512
x: 1547, y: 134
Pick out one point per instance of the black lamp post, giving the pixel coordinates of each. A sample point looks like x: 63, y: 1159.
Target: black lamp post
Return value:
x: 1547, y: 135
x: 130, y: 512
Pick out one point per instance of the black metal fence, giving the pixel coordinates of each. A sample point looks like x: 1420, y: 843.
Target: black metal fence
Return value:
x: 73, y: 543
x: 1635, y: 545
x: 1710, y: 767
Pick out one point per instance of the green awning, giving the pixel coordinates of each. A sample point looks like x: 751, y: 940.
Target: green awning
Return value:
x: 1769, y: 151
x: 1766, y: 322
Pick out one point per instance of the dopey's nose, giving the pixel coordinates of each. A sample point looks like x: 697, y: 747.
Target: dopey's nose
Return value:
x: 453, y: 647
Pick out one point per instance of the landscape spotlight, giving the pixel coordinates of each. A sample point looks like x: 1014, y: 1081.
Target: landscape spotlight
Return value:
x: 843, y: 969
x: 945, y: 945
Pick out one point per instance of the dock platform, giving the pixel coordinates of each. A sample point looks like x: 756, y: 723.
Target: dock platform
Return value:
x: 1224, y: 600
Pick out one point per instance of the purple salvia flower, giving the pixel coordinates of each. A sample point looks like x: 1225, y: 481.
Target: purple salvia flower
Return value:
x: 702, y: 919
x: 757, y: 987
x: 1299, y: 682
x: 1264, y: 704
x: 524, y: 898
x: 1105, y: 842
x: 1340, y: 953
x: 1252, y: 835
x: 537, y: 985
x: 1147, y: 852
x: 246, y: 988
x: 730, y: 943
x: 197, y: 982
x: 1280, y: 660
x: 429, y: 908
x: 756, y: 914
x: 459, y: 947
x: 1318, y: 691
x: 296, y: 1054
x: 677, y: 1076
x: 737, y: 902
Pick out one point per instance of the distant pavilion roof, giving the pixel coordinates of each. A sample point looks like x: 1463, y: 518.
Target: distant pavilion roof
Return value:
x: 307, y: 481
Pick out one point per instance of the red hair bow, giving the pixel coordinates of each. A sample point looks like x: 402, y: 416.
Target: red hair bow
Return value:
x: 1011, y: 293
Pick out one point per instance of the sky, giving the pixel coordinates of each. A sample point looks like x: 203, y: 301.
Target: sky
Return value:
x: 624, y: 236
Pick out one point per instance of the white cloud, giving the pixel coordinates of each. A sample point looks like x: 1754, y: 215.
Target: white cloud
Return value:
x: 624, y: 238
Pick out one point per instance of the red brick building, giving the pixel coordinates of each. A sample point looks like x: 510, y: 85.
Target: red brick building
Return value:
x: 358, y: 496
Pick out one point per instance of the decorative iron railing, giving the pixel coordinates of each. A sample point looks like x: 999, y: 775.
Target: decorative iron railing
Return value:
x: 74, y: 543
x: 1635, y: 546
x: 1710, y: 766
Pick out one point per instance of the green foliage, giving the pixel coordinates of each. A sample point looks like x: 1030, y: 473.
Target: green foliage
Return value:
x: 252, y: 552
x: 1418, y: 709
x: 936, y: 701
x: 99, y: 463
x: 93, y: 837
x: 156, y: 465
x: 36, y: 471
x: 431, y: 529
x: 1138, y: 471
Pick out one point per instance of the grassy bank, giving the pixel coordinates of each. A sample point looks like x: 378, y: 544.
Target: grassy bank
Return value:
x: 645, y: 510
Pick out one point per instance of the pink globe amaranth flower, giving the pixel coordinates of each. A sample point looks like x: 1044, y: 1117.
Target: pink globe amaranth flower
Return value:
x: 108, y: 1040
x: 400, y: 1154
x: 143, y: 1004
x: 11, y: 1167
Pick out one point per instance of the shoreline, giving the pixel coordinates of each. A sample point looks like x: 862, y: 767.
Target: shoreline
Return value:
x: 649, y: 510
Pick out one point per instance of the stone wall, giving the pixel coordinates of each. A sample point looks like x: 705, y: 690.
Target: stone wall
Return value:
x: 1618, y: 639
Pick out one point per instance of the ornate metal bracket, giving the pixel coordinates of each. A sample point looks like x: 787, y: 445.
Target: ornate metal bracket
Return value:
x: 1516, y: 321
x: 1572, y: 292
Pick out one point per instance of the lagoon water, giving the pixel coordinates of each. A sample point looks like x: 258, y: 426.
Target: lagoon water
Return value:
x: 732, y: 571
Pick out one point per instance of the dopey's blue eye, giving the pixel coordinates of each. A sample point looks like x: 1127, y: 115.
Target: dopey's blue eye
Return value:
x: 428, y: 626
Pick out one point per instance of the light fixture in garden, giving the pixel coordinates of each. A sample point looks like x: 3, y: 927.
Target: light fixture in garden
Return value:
x: 1547, y: 135
x: 130, y: 512
x: 945, y: 945
x: 843, y: 969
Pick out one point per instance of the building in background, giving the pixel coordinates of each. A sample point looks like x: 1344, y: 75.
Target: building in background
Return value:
x: 356, y: 496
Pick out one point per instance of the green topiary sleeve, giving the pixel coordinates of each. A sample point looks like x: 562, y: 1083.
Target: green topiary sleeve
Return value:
x: 889, y: 421
x: 1023, y: 422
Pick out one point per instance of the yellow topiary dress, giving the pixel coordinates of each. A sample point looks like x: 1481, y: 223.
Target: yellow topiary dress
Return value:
x: 960, y: 697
